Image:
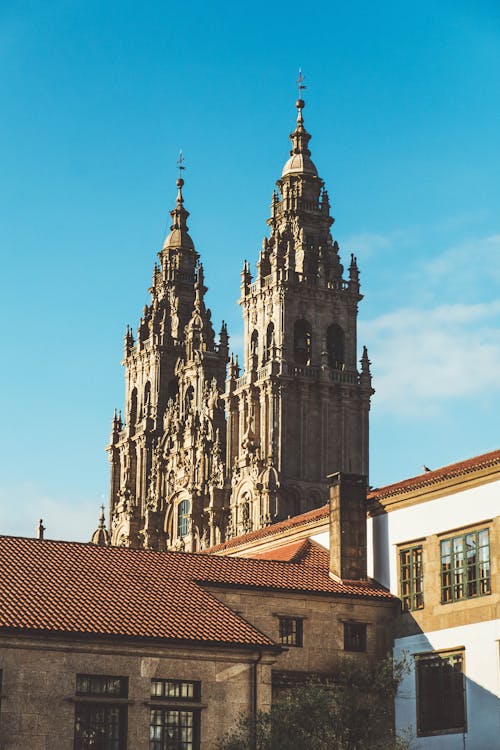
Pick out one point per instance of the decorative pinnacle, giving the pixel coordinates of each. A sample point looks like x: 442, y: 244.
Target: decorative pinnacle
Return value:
x: 102, y: 519
x: 300, y: 104
x: 40, y: 529
x: 180, y: 181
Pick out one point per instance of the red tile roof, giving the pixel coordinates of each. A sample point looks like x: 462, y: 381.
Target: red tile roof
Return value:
x: 461, y: 468
x: 305, y: 551
x: 313, y: 517
x: 309, y: 518
x: 83, y: 589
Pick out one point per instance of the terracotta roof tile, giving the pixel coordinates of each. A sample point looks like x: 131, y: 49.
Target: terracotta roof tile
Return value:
x: 450, y: 471
x: 72, y: 588
x: 305, y: 551
x: 312, y: 517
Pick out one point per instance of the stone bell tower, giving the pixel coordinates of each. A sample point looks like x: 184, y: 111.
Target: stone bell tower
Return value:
x: 299, y: 410
x: 167, y: 456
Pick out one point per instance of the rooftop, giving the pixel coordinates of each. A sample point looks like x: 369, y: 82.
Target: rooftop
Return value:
x: 86, y: 590
x: 312, y: 520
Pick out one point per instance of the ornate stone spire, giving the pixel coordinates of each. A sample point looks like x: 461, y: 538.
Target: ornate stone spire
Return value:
x: 300, y: 157
x: 101, y: 534
x: 179, y: 237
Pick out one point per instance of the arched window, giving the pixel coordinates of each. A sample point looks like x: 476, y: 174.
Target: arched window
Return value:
x: 302, y: 342
x: 269, y: 342
x: 335, y: 346
x: 254, y: 347
x: 183, y: 518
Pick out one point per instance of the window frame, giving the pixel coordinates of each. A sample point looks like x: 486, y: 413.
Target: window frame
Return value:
x: 185, y: 708
x: 458, y: 577
x: 413, y: 580
x: 183, y: 517
x: 443, y: 700
x: 102, y: 707
x: 293, y: 636
x: 349, y: 639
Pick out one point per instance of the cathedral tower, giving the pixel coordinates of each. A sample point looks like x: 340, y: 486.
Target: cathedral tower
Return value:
x: 299, y: 410
x: 167, y: 457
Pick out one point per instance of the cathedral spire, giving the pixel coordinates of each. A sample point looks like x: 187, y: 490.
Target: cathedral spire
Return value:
x: 300, y: 156
x: 179, y: 237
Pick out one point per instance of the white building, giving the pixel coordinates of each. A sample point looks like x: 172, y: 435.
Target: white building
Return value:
x: 434, y: 541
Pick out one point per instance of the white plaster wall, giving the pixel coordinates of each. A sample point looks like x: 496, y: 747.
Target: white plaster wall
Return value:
x: 424, y: 519
x: 323, y: 539
x: 482, y: 669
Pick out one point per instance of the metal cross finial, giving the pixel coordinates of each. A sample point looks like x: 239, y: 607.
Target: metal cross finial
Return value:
x: 300, y: 83
x: 180, y: 163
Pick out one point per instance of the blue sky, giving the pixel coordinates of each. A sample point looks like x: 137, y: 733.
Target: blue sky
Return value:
x: 403, y: 103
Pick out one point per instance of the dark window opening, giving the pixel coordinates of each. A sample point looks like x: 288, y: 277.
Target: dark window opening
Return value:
x: 133, y: 410
x: 101, y: 725
x: 290, y: 631
x: 335, y: 345
x: 302, y: 342
x: 173, y: 389
x: 188, y: 399
x: 254, y: 348
x: 269, y: 342
x: 440, y: 693
x: 354, y: 636
x: 411, y: 578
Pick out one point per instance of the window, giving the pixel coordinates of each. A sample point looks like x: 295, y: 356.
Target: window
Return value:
x: 183, y: 518
x: 411, y: 576
x: 335, y: 346
x: 465, y: 566
x: 269, y: 342
x: 100, y: 721
x: 440, y: 693
x: 174, y: 723
x: 302, y: 342
x: 290, y: 631
x: 254, y: 348
x: 354, y: 636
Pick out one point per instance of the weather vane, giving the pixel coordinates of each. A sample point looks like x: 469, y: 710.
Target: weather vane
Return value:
x: 300, y: 83
x: 180, y: 163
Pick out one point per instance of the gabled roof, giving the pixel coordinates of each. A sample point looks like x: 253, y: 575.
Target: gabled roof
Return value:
x: 309, y: 519
x: 84, y: 589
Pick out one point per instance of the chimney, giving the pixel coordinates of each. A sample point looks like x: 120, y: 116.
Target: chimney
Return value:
x: 347, y: 526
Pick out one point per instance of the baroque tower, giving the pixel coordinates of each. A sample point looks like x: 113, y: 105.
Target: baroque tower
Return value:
x: 299, y: 411
x: 167, y: 456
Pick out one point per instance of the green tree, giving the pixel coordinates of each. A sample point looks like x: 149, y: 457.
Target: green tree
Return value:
x: 352, y: 711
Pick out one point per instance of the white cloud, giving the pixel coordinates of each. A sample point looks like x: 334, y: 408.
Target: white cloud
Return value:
x: 466, y: 268
x: 424, y: 357
x: 367, y: 244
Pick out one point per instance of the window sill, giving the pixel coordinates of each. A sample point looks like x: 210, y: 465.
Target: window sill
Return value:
x: 172, y: 703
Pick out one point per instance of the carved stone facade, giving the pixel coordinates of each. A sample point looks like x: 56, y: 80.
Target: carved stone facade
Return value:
x: 188, y: 472
x: 300, y: 409
x: 167, y: 460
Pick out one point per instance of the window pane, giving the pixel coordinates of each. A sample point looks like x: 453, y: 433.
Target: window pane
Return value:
x: 463, y: 574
